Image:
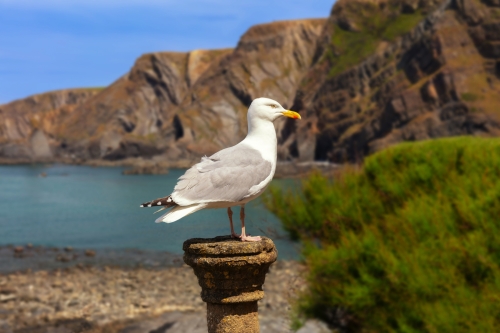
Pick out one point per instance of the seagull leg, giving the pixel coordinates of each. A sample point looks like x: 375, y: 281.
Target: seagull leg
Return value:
x: 244, y: 237
x: 230, y: 215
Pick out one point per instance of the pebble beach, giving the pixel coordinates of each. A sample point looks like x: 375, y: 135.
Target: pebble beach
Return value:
x: 67, y: 290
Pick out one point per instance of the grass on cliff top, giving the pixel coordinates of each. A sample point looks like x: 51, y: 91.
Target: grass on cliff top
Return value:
x: 348, y: 48
x: 410, y: 242
x: 95, y: 88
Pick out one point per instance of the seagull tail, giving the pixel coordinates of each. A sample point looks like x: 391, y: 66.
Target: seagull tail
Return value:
x: 166, y: 202
x: 179, y: 212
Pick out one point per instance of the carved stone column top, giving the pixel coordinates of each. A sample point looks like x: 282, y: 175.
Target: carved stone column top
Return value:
x: 226, y: 246
x: 229, y: 270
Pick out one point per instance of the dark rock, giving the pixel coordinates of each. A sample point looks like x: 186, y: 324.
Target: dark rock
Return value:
x: 492, y: 2
x: 132, y: 149
x: 61, y: 326
x: 63, y: 258
x: 170, y: 322
x: 147, y: 169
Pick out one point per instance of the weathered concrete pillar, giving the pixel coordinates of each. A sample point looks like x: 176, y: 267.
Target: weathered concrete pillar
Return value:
x: 231, y: 274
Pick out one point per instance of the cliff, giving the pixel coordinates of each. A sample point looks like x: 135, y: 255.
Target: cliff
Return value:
x: 374, y: 73
x: 392, y: 71
x: 179, y: 106
x: 135, y: 116
x: 269, y: 60
x: 29, y: 127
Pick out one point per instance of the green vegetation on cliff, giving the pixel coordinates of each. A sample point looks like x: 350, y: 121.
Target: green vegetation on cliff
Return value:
x: 369, y: 25
x: 410, y: 242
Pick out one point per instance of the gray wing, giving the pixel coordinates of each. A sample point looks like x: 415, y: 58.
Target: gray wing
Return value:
x: 225, y: 176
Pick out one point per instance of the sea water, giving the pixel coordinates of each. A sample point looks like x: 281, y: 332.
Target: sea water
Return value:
x: 98, y: 208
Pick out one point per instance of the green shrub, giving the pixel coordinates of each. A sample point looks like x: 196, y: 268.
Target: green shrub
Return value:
x: 410, y: 242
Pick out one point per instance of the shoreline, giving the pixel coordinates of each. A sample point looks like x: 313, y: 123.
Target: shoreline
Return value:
x: 128, y: 162
x: 284, y: 169
x: 17, y: 258
x: 99, y: 296
x: 46, y: 289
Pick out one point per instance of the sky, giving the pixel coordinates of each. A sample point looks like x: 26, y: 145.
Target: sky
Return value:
x: 56, y: 44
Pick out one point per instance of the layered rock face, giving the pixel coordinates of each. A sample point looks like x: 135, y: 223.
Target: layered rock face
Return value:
x: 177, y: 106
x: 269, y: 61
x: 136, y: 115
x: 375, y: 73
x: 392, y: 71
x: 29, y: 127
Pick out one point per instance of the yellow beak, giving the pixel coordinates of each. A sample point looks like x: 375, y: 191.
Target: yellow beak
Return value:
x: 291, y: 114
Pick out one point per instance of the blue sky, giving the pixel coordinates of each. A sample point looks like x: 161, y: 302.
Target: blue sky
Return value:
x: 55, y: 44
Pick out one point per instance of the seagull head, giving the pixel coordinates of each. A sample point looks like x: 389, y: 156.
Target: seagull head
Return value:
x: 268, y: 109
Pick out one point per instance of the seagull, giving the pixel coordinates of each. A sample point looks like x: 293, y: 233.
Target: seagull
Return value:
x: 233, y: 176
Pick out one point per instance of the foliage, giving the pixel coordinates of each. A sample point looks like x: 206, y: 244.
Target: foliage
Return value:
x: 410, y: 242
x: 95, y: 88
x: 469, y: 97
x: 348, y: 48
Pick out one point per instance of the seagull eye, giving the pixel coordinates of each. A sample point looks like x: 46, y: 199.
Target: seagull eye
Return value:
x: 274, y: 106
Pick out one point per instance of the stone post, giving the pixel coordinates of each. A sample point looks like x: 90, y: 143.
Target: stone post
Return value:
x: 231, y: 274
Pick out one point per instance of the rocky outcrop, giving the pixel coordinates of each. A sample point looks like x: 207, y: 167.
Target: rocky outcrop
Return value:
x: 375, y: 73
x: 136, y: 115
x: 201, y: 105
x: 29, y: 127
x: 147, y: 167
x: 179, y: 106
x: 270, y: 60
x: 423, y: 69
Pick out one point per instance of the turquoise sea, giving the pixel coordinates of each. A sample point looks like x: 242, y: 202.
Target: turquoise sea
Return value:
x: 98, y: 208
